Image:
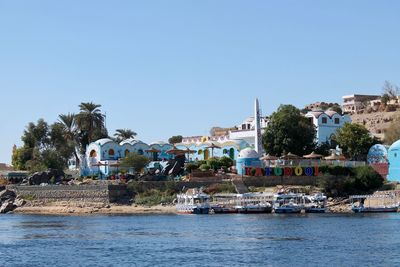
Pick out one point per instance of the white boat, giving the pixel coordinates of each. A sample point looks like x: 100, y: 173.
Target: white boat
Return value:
x: 254, y: 203
x: 194, y: 201
x: 374, y: 203
x: 316, y: 203
x: 289, y: 203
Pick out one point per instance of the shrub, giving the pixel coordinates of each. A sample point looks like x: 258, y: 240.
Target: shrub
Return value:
x: 154, y: 197
x: 226, y: 162
x: 214, y: 163
x: 220, y: 188
x: 365, y: 180
x: 204, y: 167
x: 359, y: 180
x: 191, y: 166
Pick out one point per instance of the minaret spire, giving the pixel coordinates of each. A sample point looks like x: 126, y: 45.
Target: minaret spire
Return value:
x: 257, y: 128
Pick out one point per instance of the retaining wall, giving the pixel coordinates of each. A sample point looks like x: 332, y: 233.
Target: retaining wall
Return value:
x: 78, y: 193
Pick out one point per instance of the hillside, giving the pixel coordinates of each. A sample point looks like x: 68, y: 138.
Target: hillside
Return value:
x: 375, y: 122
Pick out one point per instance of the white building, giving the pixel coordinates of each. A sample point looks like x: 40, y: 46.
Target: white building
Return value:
x: 246, y: 130
x: 326, y: 123
x: 354, y: 103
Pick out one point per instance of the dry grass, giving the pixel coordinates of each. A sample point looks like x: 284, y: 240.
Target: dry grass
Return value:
x: 3, y: 181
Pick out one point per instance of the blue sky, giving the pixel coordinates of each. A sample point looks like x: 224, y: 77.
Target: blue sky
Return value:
x: 180, y: 67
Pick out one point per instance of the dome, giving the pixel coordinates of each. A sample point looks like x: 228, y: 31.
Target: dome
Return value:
x: 129, y: 141
x: 103, y: 141
x: 377, y: 154
x: 161, y: 143
x: 395, y: 146
x: 330, y: 113
x: 248, y: 153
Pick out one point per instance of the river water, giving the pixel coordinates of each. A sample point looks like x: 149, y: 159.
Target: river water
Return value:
x: 196, y: 240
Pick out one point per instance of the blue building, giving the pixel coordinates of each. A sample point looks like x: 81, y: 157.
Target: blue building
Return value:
x: 247, y: 158
x: 394, y: 162
x: 102, y: 156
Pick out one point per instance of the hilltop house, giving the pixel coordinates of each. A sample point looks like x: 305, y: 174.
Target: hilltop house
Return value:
x: 326, y: 123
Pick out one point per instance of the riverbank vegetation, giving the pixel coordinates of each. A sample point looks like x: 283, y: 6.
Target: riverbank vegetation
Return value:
x: 349, y: 181
x: 48, y: 146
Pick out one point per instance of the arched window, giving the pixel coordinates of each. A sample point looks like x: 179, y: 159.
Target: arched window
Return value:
x: 225, y: 151
x: 111, y: 152
x: 126, y: 152
x: 140, y: 151
x: 93, y: 153
x: 232, y: 153
x: 200, y: 152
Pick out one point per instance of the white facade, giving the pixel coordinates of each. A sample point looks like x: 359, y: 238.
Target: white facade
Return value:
x: 326, y: 124
x: 354, y: 103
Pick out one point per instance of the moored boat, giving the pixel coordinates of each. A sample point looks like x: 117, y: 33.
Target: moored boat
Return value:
x: 194, y: 201
x: 254, y: 203
x: 374, y: 203
x: 289, y: 203
x: 316, y: 203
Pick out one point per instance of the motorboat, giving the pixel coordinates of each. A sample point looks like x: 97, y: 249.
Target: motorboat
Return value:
x: 289, y: 203
x: 194, y: 201
x: 316, y: 203
x: 253, y: 203
x: 374, y: 203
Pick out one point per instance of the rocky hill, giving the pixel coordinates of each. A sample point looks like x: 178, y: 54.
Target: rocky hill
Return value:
x: 376, y: 121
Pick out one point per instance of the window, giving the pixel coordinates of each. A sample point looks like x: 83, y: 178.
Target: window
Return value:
x: 93, y: 154
x: 111, y: 152
x: 243, y: 126
x: 311, y: 120
x: 337, y: 120
x: 324, y: 120
x: 140, y: 151
x: 248, y: 126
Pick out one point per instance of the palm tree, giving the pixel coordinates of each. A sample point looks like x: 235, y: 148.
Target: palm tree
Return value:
x: 89, y: 119
x: 123, y: 134
x: 68, y: 122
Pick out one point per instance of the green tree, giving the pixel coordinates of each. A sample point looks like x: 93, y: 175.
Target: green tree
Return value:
x: 175, y: 139
x: 90, y: 122
x: 289, y: 131
x: 60, y: 147
x: 355, y: 140
x: 124, y: 134
x: 135, y: 161
x: 70, y: 131
x: 21, y: 156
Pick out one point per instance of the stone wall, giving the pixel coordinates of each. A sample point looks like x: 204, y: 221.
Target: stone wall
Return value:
x: 77, y: 193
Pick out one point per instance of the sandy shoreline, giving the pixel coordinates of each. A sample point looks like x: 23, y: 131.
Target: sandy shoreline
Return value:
x: 93, y: 210
x: 64, y: 209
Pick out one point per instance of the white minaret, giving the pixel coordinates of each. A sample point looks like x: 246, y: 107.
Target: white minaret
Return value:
x: 257, y: 129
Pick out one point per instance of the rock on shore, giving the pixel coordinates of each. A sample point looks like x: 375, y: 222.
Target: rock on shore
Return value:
x: 9, y: 201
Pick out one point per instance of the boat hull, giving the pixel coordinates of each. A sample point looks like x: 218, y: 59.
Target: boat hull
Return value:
x: 287, y: 210
x: 374, y: 210
x: 315, y: 210
x: 255, y: 211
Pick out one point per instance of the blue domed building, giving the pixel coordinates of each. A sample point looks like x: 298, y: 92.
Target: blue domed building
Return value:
x: 377, y: 154
x: 247, y: 158
x: 394, y: 162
